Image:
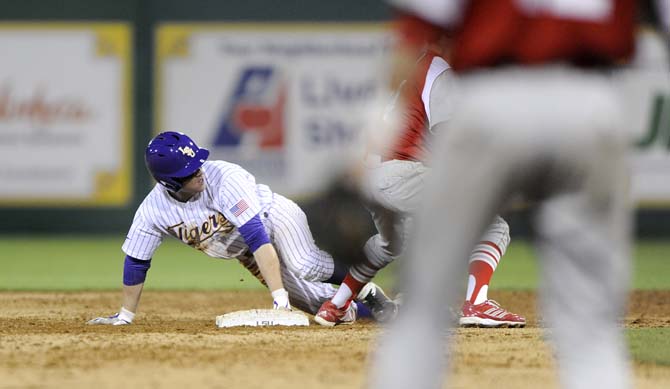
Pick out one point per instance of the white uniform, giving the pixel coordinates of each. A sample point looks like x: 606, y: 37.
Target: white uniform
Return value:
x: 209, y: 222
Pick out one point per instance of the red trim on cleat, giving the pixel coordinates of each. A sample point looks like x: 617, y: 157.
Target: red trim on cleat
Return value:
x: 330, y: 315
x: 488, y: 314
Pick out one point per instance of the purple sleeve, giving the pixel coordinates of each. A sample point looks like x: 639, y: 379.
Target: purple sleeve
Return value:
x: 135, y: 270
x: 254, y: 233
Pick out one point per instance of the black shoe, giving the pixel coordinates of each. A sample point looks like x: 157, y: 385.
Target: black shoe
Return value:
x: 382, y: 307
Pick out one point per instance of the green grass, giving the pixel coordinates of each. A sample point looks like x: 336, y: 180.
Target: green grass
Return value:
x: 71, y: 263
x: 650, y: 345
x: 75, y: 263
x: 652, y: 266
x: 519, y: 267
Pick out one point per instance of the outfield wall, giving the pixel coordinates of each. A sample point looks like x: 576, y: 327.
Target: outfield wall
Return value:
x: 36, y: 205
x: 73, y: 132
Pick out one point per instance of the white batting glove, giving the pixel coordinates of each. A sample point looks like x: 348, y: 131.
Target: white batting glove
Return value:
x: 280, y: 297
x: 124, y: 317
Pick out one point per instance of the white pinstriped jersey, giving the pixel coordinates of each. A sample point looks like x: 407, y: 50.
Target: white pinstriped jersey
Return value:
x: 208, y: 221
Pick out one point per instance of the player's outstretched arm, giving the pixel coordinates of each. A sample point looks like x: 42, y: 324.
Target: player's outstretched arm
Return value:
x: 268, y: 263
x: 266, y: 258
x: 134, y: 274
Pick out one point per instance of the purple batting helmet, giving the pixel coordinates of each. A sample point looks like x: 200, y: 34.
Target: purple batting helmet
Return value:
x: 171, y: 156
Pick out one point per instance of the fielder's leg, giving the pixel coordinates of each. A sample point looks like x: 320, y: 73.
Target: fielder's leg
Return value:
x: 380, y: 250
x: 485, y: 258
x: 458, y: 205
x: 585, y: 274
x: 584, y: 244
x: 478, y: 310
x: 393, y: 189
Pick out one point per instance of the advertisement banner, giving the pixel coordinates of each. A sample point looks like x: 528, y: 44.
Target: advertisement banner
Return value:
x: 65, y: 114
x: 645, y: 86
x: 285, y: 101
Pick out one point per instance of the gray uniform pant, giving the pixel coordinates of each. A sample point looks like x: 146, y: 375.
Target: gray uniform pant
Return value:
x: 395, y: 189
x: 552, y: 134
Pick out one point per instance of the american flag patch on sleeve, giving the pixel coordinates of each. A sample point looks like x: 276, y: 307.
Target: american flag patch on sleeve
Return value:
x: 239, y: 208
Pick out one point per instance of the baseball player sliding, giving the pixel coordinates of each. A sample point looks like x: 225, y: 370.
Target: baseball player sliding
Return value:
x: 394, y: 184
x: 218, y: 208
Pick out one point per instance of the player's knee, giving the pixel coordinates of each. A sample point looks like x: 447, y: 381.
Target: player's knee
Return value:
x: 498, y: 233
x: 505, y: 237
x: 378, y: 250
x: 392, y: 249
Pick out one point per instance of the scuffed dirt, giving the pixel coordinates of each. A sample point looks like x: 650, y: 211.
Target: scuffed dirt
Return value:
x: 44, y: 342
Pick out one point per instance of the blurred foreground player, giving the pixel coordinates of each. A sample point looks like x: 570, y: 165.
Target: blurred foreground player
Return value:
x: 538, y: 117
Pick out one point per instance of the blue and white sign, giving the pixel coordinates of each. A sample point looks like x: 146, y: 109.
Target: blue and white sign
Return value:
x: 285, y: 101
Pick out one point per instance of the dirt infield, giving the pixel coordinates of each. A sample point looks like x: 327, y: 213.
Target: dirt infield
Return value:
x: 174, y: 343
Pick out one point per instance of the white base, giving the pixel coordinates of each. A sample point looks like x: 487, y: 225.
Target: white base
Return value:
x: 262, y: 318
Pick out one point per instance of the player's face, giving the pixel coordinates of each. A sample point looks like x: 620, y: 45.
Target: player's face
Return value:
x: 194, y: 183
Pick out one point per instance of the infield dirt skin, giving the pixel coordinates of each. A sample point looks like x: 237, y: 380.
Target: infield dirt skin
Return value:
x: 173, y: 343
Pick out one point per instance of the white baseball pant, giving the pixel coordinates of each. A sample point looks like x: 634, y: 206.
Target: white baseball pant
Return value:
x: 289, y: 232
x: 553, y: 134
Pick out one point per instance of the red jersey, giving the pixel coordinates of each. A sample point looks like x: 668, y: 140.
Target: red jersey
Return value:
x: 494, y: 32
x: 410, y: 143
